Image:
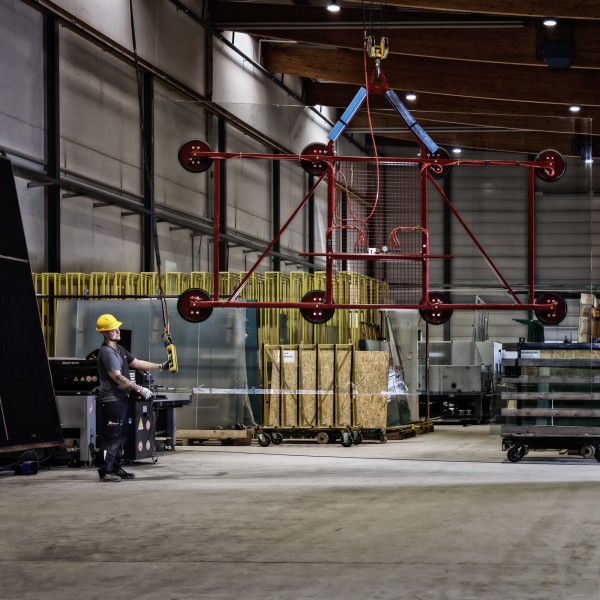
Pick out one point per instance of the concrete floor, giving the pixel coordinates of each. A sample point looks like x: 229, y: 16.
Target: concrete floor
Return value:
x: 443, y: 515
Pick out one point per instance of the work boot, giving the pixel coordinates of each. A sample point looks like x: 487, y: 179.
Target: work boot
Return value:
x: 109, y: 477
x: 123, y: 474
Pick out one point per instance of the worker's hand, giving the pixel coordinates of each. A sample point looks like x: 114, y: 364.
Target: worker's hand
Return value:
x: 146, y: 393
x: 165, y: 366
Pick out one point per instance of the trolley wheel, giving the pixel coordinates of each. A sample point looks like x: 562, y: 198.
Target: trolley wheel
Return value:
x: 263, y: 439
x: 383, y: 439
x: 346, y: 439
x: 322, y: 437
x: 319, y: 314
x: 191, y: 157
x: 557, y: 162
x: 588, y: 451
x: 314, y: 166
x: 358, y: 438
x: 277, y: 437
x: 435, y: 316
x: 515, y: 453
x: 189, y: 305
x: 556, y: 311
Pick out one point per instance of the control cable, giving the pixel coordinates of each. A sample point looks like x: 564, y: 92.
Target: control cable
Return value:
x: 167, y: 339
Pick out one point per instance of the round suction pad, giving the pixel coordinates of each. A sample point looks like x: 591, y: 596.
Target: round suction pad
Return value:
x: 191, y: 305
x: 315, y: 166
x: 557, y: 168
x: 437, y: 171
x: 191, y: 156
x: 556, y: 311
x: 436, y: 316
x: 319, y: 314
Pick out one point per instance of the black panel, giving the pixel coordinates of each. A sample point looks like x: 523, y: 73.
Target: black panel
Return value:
x: 28, y: 413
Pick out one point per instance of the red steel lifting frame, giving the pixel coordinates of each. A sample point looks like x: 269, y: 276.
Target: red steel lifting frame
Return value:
x: 427, y: 166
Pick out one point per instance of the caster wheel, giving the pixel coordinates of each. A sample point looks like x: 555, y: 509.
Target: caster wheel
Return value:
x: 277, y: 438
x: 346, y: 440
x: 588, y: 451
x: 358, y: 438
x: 322, y: 437
x: 263, y: 439
x: 383, y: 439
x: 515, y: 453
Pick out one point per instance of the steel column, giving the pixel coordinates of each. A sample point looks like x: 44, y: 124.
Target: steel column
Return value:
x: 223, y: 253
x: 276, y: 209
x: 147, y: 119
x: 51, y: 42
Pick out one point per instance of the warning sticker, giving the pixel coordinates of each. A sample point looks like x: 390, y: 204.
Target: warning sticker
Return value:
x: 140, y: 446
x: 148, y: 424
x: 141, y: 425
x: 148, y: 445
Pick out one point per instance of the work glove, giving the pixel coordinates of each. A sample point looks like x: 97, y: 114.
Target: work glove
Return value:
x: 146, y: 393
x: 165, y: 366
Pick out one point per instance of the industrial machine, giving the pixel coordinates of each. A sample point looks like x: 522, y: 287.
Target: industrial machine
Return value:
x: 457, y: 380
x: 75, y: 381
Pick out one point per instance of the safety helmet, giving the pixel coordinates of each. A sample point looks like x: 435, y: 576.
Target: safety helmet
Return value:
x: 106, y: 323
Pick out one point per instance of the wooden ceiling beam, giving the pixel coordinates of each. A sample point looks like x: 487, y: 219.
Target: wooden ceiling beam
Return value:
x: 531, y: 143
x: 391, y: 120
x: 448, y: 77
x: 559, y: 9
x: 520, y: 46
x: 339, y: 95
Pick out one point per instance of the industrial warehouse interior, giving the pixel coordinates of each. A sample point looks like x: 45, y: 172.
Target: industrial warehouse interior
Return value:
x: 333, y: 266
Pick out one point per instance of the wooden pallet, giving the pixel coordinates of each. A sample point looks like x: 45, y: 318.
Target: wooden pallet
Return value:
x: 240, y: 437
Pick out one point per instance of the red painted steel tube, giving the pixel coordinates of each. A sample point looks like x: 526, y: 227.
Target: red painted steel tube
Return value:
x: 442, y: 162
x: 216, y: 225
x: 334, y: 306
x: 424, y: 236
x: 531, y: 239
x: 329, y: 235
x: 381, y: 256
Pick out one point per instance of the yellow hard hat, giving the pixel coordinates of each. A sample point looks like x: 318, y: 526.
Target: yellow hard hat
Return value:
x: 106, y: 323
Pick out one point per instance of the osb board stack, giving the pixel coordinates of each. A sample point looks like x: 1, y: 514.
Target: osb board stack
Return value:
x: 370, y: 379
x: 587, y: 304
x: 310, y: 386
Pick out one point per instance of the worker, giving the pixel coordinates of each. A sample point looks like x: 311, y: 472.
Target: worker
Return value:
x: 115, y: 388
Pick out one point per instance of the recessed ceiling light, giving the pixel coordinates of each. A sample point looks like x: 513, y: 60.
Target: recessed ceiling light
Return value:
x: 574, y: 108
x: 333, y: 6
x: 550, y: 22
x: 410, y: 96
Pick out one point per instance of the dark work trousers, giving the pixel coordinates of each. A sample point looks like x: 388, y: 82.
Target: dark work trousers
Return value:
x: 112, y: 433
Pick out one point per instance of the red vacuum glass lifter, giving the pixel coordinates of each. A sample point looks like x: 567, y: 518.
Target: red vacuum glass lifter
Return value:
x: 376, y: 224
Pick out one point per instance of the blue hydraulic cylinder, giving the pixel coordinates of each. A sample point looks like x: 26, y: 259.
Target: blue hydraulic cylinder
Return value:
x: 416, y: 129
x: 335, y: 133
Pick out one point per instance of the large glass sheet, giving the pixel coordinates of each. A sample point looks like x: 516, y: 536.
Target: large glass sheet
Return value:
x: 211, y: 355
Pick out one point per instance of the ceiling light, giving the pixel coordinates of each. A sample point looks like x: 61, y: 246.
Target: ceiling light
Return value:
x: 333, y: 6
x: 574, y: 108
x: 410, y: 96
x: 550, y: 22
x: 456, y: 150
